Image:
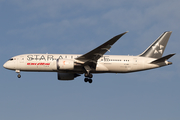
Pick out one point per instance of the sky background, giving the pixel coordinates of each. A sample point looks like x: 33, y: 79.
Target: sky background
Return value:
x: 78, y: 26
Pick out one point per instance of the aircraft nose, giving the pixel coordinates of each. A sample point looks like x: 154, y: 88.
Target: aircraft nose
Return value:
x: 5, y: 65
x: 9, y: 65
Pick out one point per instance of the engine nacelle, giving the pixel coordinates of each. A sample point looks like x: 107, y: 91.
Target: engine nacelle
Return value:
x: 63, y: 64
x: 67, y: 76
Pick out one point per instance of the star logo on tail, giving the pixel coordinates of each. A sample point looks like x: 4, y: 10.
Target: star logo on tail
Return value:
x: 158, y: 48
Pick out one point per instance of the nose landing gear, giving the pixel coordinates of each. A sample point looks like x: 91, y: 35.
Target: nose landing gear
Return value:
x: 19, y: 75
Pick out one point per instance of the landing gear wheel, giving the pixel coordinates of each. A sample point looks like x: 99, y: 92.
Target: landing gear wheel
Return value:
x: 19, y: 76
x: 90, y: 80
x: 88, y: 75
x: 86, y: 79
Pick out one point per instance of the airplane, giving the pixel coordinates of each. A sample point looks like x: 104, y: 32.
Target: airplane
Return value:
x: 70, y: 66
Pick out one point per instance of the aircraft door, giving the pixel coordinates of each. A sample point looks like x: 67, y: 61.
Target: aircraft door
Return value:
x: 127, y: 65
x: 21, y: 62
x: 21, y: 59
x: 135, y: 63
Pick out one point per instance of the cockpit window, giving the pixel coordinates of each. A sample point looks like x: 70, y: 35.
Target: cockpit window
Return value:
x: 11, y: 59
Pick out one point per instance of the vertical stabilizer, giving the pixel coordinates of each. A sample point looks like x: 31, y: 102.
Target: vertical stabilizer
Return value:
x: 156, y: 49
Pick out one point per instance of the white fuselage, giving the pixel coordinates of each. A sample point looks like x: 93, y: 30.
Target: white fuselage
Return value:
x: 106, y: 64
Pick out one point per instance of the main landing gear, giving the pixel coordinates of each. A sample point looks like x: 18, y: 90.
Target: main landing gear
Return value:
x: 88, y: 77
x: 19, y: 75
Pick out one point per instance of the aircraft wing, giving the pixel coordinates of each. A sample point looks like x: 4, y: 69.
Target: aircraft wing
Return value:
x: 90, y: 58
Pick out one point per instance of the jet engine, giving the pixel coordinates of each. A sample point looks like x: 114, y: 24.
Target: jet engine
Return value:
x: 63, y: 64
x: 67, y: 76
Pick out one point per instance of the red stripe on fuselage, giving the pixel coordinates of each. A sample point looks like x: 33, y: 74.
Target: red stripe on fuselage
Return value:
x: 38, y: 63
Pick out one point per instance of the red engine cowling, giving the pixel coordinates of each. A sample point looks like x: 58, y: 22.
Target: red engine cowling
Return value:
x: 67, y: 76
x: 63, y: 64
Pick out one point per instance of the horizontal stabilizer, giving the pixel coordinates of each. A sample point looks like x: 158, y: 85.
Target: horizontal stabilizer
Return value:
x: 162, y: 59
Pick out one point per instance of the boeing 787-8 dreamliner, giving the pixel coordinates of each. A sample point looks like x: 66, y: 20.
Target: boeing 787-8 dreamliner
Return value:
x: 70, y: 66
